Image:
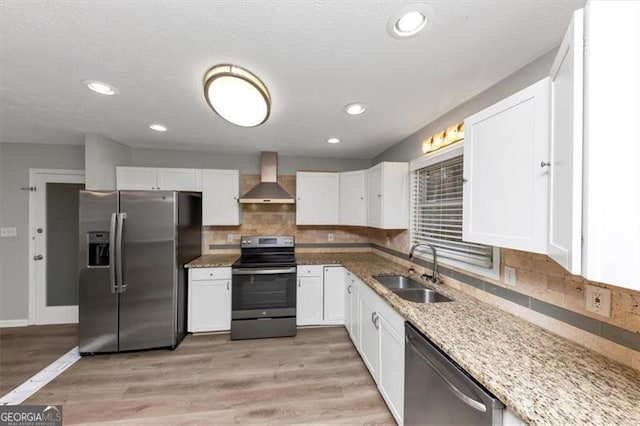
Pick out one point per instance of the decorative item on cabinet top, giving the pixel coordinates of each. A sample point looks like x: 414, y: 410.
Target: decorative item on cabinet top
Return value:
x: 444, y: 138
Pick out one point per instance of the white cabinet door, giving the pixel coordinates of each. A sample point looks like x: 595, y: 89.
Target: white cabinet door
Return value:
x: 374, y: 196
x: 317, y: 197
x: 309, y: 301
x: 209, y: 304
x: 347, y: 301
x: 220, y: 192
x: 353, y: 203
x: 333, y: 309
x: 392, y: 368
x: 136, y: 178
x: 388, y: 196
x: 565, y: 185
x: 369, y: 335
x: 355, y: 312
x: 505, y: 194
x: 177, y: 179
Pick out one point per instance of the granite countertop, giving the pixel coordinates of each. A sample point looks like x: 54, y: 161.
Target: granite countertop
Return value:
x: 545, y: 379
x: 213, y: 261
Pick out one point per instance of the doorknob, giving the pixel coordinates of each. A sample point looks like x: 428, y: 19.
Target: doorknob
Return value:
x: 38, y: 257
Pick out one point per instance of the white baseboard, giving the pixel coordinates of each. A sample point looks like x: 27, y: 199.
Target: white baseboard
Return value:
x: 14, y: 323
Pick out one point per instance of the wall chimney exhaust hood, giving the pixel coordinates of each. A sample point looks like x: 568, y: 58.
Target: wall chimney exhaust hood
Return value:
x: 268, y: 190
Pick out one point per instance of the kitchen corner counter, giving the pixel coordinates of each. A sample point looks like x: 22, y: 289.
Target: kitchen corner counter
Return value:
x: 543, y: 378
x: 213, y: 261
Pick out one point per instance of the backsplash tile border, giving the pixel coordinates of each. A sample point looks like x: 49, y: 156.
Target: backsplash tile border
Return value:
x: 610, y: 332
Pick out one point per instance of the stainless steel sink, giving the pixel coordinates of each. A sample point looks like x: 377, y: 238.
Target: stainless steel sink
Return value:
x: 395, y: 282
x: 422, y: 295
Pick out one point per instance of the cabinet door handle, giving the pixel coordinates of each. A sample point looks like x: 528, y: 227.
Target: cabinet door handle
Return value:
x: 298, y: 283
x: 227, y: 285
x: 544, y: 164
x: 349, y: 289
x: 379, y: 195
x: 375, y: 322
x: 373, y: 316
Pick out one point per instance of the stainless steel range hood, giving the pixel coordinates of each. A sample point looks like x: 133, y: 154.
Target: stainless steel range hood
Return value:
x: 268, y: 190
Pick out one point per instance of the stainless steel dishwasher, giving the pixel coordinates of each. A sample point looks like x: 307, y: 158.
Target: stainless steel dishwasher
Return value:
x: 438, y: 392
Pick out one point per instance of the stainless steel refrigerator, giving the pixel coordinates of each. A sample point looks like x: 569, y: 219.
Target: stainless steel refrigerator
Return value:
x: 133, y: 247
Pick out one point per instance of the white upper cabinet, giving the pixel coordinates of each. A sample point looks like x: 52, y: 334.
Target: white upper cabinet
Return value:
x: 387, y: 196
x: 151, y: 178
x: 506, y: 156
x: 178, y: 179
x: 595, y: 186
x: 353, y: 203
x: 565, y: 171
x: 317, y: 198
x: 220, y: 192
x: 136, y: 178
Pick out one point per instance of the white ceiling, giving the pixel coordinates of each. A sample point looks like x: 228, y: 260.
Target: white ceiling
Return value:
x: 314, y: 56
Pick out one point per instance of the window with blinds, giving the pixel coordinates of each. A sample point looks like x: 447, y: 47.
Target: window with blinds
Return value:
x: 437, y: 214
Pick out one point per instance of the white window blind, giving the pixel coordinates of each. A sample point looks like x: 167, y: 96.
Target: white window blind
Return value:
x: 437, y: 214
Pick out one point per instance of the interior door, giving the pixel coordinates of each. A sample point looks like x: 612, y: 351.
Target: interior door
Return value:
x: 54, y: 258
x: 149, y: 275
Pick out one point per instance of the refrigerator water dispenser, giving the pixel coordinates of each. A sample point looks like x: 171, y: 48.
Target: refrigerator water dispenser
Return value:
x: 98, y: 242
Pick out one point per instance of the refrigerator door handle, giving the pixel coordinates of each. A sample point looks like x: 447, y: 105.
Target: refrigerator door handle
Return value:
x: 122, y: 287
x: 112, y: 253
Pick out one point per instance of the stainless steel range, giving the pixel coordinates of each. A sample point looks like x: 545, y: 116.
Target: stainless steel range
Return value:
x: 263, y: 296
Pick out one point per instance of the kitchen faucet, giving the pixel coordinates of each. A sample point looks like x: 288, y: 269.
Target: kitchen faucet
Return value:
x: 433, y: 278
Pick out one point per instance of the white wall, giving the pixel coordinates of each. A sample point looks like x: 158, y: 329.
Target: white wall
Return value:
x: 15, y: 162
x: 101, y: 156
x: 411, y: 147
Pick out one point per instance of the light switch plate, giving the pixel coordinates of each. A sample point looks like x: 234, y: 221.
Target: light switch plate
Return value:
x: 330, y: 236
x: 510, y: 275
x: 598, y: 300
x: 9, y: 232
x: 229, y: 238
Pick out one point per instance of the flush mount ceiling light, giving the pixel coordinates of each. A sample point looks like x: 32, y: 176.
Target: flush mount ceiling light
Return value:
x: 101, y: 87
x: 237, y: 95
x: 355, y: 108
x: 408, y: 21
x: 333, y: 140
x: 157, y: 127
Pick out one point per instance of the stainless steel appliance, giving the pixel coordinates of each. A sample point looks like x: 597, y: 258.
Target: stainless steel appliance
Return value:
x: 132, y: 288
x: 438, y: 392
x: 263, y: 288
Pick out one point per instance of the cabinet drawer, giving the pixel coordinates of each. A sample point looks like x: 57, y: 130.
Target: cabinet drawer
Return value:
x: 199, y: 274
x: 310, y: 271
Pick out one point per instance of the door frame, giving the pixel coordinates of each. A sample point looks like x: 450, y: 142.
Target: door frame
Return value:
x: 34, y: 174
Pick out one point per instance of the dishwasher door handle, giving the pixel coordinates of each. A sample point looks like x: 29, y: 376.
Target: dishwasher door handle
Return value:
x: 454, y: 390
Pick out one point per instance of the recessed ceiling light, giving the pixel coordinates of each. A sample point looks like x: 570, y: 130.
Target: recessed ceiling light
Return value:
x: 100, y: 87
x: 157, y: 127
x: 237, y: 95
x: 355, y: 108
x: 408, y: 21
x: 333, y: 140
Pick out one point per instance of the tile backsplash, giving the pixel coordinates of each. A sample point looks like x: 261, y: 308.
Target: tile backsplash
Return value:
x: 537, y: 275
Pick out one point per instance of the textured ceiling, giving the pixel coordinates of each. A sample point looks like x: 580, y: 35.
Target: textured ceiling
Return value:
x: 314, y: 56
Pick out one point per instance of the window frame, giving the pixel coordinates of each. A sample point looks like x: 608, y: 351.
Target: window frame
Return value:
x: 452, y: 151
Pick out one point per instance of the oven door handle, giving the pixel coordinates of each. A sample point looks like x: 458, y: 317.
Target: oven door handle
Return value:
x: 262, y: 271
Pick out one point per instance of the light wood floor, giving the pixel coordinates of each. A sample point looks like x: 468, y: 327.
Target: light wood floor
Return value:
x: 26, y: 350
x: 315, y: 377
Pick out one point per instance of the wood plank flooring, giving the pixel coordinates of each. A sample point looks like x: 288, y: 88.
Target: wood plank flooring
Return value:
x: 315, y: 377
x: 26, y: 350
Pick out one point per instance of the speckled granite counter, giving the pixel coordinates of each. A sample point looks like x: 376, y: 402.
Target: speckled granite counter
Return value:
x: 213, y: 261
x: 545, y: 379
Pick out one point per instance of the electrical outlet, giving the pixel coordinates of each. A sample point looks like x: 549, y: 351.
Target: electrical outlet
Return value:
x: 330, y: 236
x: 8, y: 232
x: 229, y: 238
x: 510, y: 275
x: 598, y: 300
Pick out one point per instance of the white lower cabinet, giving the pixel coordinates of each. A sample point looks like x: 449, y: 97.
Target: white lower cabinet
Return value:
x: 209, y: 300
x: 377, y: 331
x: 509, y: 418
x: 309, y: 300
x: 333, y: 295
